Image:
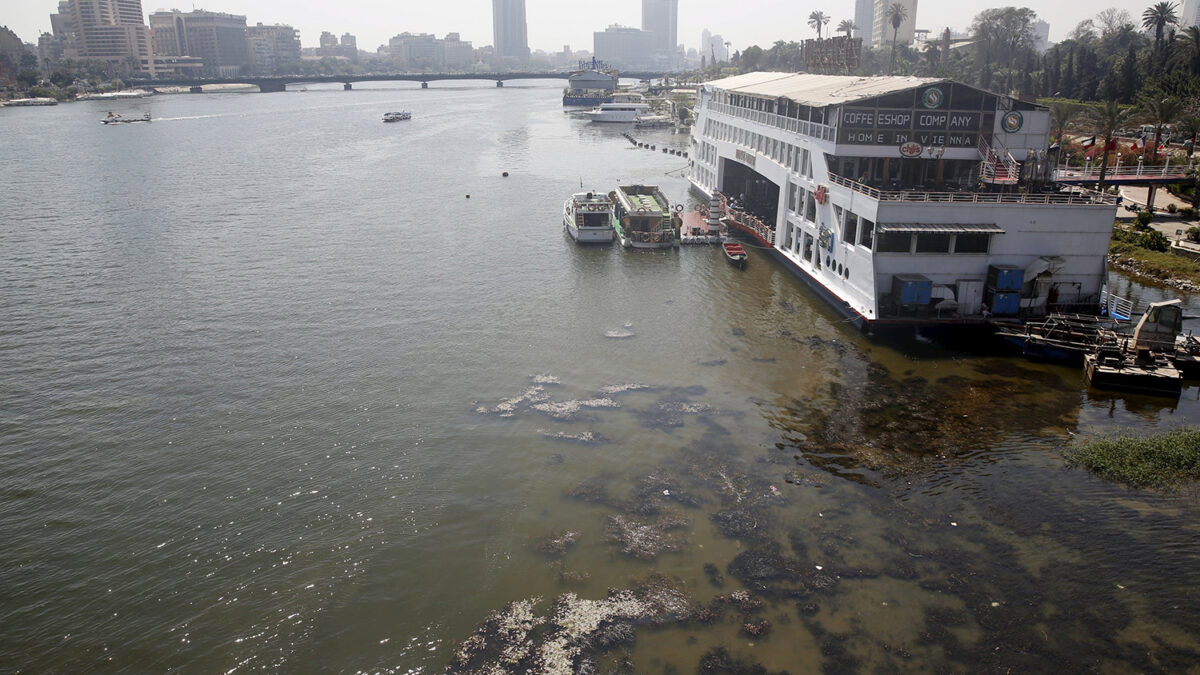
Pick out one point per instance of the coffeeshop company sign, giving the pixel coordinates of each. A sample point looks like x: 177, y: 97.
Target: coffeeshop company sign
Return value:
x: 933, y: 98
x: 1012, y: 122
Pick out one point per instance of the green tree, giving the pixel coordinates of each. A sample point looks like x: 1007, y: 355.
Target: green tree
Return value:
x: 27, y: 78
x: 817, y: 19
x: 1158, y: 17
x: 1186, y: 53
x: 1105, y: 119
x: 847, y: 26
x: 1005, y: 38
x: 896, y: 15
x: 1161, y: 112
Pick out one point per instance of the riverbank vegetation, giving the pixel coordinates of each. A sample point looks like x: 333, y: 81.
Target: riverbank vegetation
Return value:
x: 1166, y: 460
x: 1142, y: 251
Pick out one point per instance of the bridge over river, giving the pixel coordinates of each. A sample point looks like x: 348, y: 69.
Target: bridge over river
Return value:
x: 276, y: 84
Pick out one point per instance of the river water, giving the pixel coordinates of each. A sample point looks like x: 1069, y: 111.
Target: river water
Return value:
x: 286, y: 388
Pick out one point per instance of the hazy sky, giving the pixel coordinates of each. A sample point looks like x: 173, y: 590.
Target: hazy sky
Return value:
x: 554, y: 23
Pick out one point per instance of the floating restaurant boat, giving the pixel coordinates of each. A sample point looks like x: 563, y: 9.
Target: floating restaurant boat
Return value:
x: 397, y: 116
x: 897, y: 199
x: 653, y: 121
x: 115, y: 118
x: 735, y: 254
x: 642, y: 217
x: 587, y: 217
x: 591, y: 85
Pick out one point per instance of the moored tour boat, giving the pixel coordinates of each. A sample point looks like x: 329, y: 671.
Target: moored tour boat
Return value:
x: 624, y: 108
x: 587, y: 217
x: 642, y: 217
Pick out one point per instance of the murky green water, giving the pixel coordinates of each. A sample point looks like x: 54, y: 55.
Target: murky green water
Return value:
x: 278, y: 395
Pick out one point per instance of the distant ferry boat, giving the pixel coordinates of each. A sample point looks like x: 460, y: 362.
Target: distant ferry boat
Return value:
x: 591, y: 85
x: 399, y: 116
x: 642, y: 217
x: 897, y: 198
x: 587, y: 217
x: 624, y: 108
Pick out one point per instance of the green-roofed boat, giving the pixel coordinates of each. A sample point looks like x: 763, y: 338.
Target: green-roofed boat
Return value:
x: 642, y: 217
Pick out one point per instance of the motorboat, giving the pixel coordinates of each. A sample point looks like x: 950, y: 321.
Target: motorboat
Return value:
x: 116, y: 118
x: 397, y: 116
x: 624, y: 108
x: 653, y: 121
x: 587, y: 217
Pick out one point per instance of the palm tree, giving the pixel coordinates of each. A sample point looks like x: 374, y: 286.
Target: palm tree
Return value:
x: 1061, y: 114
x: 1158, y: 17
x: 1187, y: 50
x: 1106, y: 118
x: 1162, y: 112
x: 818, y: 19
x: 847, y: 26
x: 896, y: 14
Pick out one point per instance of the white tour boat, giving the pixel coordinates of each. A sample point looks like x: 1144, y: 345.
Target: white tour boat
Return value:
x: 587, y: 217
x: 642, y: 217
x: 903, y: 200
x: 397, y: 116
x: 625, y: 107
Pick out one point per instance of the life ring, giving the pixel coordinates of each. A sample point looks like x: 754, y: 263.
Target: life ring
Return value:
x: 641, y: 210
x: 658, y: 237
x: 678, y: 208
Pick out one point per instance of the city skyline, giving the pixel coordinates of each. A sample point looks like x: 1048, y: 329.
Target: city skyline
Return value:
x: 551, y: 25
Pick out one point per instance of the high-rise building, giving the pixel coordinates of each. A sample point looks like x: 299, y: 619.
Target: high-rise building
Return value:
x: 712, y: 47
x: 864, y: 18
x: 1041, y: 36
x: 328, y: 40
x: 1190, y: 14
x: 509, y: 30
x: 882, y: 32
x: 272, y: 48
x: 217, y: 38
x: 661, y: 18
x: 625, y: 47
x: 109, y: 30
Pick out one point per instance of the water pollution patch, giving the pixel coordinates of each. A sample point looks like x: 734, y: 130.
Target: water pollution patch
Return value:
x: 509, y: 406
x: 613, y: 389
x: 582, y: 438
x: 625, y: 332
x: 569, y: 410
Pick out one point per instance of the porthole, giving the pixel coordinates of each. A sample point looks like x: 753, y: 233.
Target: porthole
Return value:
x: 847, y: 273
x: 839, y: 268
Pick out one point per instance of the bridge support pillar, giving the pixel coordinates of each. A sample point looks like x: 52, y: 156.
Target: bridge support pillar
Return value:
x: 424, y: 85
x: 271, y: 87
x: 347, y: 87
x: 500, y: 83
x: 195, y: 90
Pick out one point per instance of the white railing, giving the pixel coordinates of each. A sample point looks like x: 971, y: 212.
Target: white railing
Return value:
x: 992, y: 155
x: 1130, y: 171
x: 1074, y: 197
x: 814, y: 129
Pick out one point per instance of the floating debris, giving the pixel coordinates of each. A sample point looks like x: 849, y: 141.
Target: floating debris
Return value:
x: 558, y: 543
x: 713, y: 363
x: 610, y: 389
x: 645, y: 540
x: 565, y: 410
x: 619, y: 334
x: 684, y: 407
x: 508, y: 407
x: 586, y: 437
x: 545, y: 379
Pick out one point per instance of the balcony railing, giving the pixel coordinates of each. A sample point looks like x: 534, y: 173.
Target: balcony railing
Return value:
x: 1074, y: 197
x: 814, y: 129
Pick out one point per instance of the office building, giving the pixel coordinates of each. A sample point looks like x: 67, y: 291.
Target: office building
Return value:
x: 509, y: 30
x: 216, y: 38
x: 881, y: 27
x: 272, y: 49
x: 624, y: 47
x: 1041, y: 36
x: 661, y: 19
x: 864, y: 18
x: 1189, y: 15
x: 107, y: 30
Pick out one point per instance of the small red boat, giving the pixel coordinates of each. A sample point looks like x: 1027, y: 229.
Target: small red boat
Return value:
x: 735, y: 254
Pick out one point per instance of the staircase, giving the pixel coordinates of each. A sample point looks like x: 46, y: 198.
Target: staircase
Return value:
x: 998, y: 165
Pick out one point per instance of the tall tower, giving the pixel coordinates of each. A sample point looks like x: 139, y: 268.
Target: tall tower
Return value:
x: 509, y: 30
x: 1190, y: 14
x: 881, y: 31
x: 864, y: 18
x: 661, y: 17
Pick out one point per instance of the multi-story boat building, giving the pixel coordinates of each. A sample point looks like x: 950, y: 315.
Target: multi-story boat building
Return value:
x: 902, y: 200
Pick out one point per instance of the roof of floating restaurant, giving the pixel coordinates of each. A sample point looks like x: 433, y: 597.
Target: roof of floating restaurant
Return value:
x: 819, y: 90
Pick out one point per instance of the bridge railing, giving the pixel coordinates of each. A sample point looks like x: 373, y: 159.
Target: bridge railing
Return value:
x: 1084, y: 173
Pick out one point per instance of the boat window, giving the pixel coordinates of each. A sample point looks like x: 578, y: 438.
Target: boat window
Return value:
x: 808, y: 241
x: 868, y: 233
x: 850, y: 229
x: 894, y: 242
x: 837, y: 214
x: 971, y: 243
x: 792, y: 199
x: 810, y: 208
x: 933, y: 242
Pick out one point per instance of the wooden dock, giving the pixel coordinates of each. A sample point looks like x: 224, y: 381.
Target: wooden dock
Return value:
x: 695, y: 229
